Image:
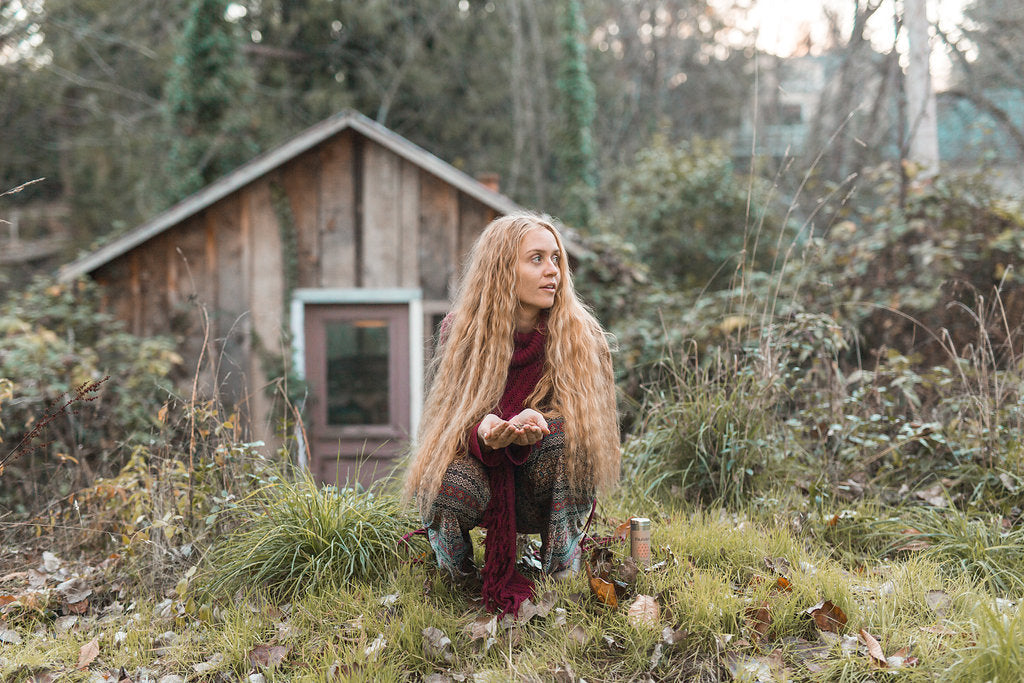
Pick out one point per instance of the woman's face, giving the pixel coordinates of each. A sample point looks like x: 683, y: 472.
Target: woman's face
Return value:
x: 537, y: 273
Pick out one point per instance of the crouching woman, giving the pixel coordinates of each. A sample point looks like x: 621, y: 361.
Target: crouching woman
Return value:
x: 519, y: 428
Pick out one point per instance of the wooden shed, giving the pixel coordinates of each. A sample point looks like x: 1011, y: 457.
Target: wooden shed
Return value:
x: 337, y: 252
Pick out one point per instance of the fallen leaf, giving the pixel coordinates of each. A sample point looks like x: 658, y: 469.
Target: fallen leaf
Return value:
x: 783, y: 584
x: 374, y: 648
x: 10, y: 637
x: 655, y: 656
x: 604, y: 590
x: 749, y: 668
x: 547, y: 603
x: 74, y: 590
x: 527, y: 611
x: 937, y: 601
x: 51, y: 563
x: 759, y: 620
x: 210, y: 664
x: 827, y: 616
x: 644, y: 611
x: 874, y: 649
x: 671, y: 636
x: 579, y: 634
x: 482, y: 627
x: 900, y: 659
x: 436, y: 644
x: 622, y: 531
x: 268, y: 655
x: 934, y: 496
x: 389, y: 600
x: 628, y: 570
x: 88, y: 653
x: 610, y: 642
x: 78, y: 607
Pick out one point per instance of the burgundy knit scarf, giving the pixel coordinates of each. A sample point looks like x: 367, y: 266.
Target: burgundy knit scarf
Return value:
x: 504, y: 588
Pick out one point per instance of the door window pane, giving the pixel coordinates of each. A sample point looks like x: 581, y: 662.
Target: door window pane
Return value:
x: 357, y: 372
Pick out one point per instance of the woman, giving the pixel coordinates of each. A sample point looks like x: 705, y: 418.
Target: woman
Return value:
x: 519, y: 427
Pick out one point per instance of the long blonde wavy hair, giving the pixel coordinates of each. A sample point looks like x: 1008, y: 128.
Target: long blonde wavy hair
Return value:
x: 469, y: 371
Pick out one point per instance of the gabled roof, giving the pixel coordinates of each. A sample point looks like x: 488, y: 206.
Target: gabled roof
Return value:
x: 272, y: 159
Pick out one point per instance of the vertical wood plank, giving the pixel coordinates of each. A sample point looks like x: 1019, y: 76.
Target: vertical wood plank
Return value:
x: 473, y: 218
x: 301, y: 181
x: 439, y: 222
x: 381, y: 255
x: 409, y: 226
x: 337, y: 213
x: 266, y: 300
x: 136, y: 290
x: 230, y: 321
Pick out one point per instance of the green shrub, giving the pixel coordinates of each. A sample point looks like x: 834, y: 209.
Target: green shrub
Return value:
x: 707, y: 432
x: 55, y: 339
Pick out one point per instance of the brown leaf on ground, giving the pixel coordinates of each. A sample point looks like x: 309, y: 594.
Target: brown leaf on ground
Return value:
x: 644, y: 611
x: 268, y: 655
x: 547, y: 603
x: 579, y: 634
x: 78, y: 607
x: 827, y: 616
x: 74, y: 590
x: 671, y: 636
x: 88, y: 653
x: 628, y: 570
x: 622, y: 531
x: 482, y: 627
x: 758, y: 620
x: 874, y: 649
x: 900, y: 659
x: 783, y: 584
x: 603, y: 590
x: 436, y: 644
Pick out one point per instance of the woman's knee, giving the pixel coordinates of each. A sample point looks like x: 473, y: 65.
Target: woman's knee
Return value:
x: 464, y: 492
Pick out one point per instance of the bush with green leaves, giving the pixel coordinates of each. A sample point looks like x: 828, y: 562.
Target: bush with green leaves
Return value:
x: 54, y: 340
x: 693, y: 218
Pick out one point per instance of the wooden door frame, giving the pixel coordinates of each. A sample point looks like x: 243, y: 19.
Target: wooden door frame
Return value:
x: 413, y: 298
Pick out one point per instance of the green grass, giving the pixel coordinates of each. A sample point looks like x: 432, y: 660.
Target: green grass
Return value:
x: 720, y: 566
x: 298, y: 537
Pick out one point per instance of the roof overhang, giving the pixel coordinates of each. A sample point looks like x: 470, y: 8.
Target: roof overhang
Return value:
x: 272, y: 159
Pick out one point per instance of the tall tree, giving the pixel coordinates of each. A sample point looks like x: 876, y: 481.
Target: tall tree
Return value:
x: 922, y: 120
x: 206, y: 102
x: 575, y: 148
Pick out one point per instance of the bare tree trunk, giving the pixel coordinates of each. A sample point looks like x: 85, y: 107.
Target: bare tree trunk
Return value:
x: 522, y: 97
x: 922, y: 121
x: 540, y: 142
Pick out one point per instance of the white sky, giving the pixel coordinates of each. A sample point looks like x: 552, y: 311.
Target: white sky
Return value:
x: 783, y: 24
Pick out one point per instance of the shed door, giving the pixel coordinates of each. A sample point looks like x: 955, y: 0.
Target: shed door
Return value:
x: 357, y: 367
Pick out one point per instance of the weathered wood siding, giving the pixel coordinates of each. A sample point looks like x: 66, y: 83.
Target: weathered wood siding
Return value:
x: 359, y: 216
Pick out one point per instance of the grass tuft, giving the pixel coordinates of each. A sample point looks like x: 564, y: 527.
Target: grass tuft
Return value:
x: 299, y: 537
